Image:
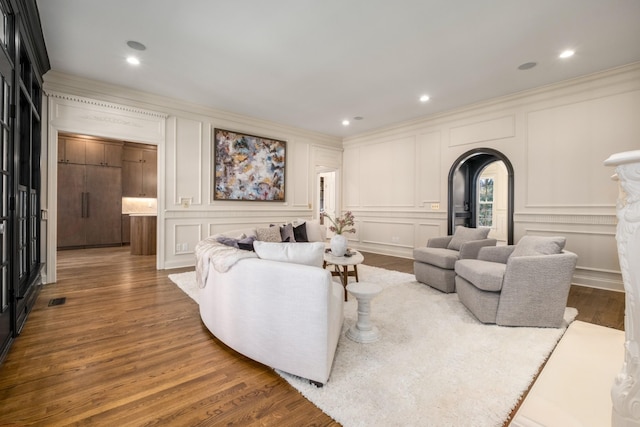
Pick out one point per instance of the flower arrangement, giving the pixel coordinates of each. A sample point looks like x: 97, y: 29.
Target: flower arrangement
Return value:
x: 342, y: 224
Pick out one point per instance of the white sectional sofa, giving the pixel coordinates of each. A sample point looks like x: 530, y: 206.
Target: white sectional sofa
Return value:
x: 277, y: 305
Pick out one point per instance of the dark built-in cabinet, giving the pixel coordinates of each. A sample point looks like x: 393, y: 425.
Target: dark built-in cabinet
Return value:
x: 94, y: 174
x: 139, y: 171
x: 89, y: 192
x: 23, y: 61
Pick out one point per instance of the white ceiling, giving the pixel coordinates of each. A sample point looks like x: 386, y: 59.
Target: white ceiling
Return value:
x: 311, y: 64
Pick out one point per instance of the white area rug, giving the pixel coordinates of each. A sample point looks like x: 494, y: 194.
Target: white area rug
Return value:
x: 435, y: 364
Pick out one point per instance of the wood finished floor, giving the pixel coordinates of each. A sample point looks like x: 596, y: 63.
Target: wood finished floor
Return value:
x: 128, y: 349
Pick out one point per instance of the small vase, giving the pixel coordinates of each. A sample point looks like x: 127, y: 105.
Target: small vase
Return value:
x: 338, y: 245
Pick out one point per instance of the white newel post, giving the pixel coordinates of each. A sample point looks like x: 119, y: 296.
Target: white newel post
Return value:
x: 625, y: 393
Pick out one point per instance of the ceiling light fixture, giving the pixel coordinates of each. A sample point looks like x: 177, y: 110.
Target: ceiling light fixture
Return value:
x: 133, y: 60
x: 424, y: 98
x: 345, y: 122
x: 567, y: 53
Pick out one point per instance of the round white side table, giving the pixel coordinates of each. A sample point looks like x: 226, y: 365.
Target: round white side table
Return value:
x: 363, y: 331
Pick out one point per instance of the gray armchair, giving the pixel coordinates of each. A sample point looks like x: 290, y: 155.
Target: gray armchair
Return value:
x: 523, y: 285
x: 434, y: 264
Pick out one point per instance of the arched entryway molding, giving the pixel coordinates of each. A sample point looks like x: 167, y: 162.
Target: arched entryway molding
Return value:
x: 462, y: 188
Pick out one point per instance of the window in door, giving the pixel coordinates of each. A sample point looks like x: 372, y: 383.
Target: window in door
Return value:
x: 485, y: 202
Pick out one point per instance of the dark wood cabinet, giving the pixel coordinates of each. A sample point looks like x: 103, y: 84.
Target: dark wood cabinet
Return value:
x: 89, y: 205
x: 83, y: 151
x: 139, y: 171
x: 101, y: 153
x: 71, y: 150
x: 143, y: 234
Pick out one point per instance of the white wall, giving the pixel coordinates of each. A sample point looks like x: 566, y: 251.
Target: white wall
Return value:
x: 556, y: 138
x: 183, y: 134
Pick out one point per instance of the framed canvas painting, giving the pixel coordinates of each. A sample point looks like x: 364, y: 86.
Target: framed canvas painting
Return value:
x: 248, y: 167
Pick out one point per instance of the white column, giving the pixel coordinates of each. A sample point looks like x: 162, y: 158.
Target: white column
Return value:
x: 625, y: 393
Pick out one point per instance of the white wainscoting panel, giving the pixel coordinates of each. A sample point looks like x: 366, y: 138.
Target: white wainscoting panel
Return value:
x: 389, y: 177
x: 298, y: 164
x: 488, y: 130
x: 186, y: 234
x: 427, y: 230
x: 188, y: 147
x: 387, y: 233
x: 351, y: 173
x: 566, y: 147
x: 429, y: 169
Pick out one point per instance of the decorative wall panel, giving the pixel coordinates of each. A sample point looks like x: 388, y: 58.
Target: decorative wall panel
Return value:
x: 298, y: 163
x: 429, y: 168
x: 487, y: 130
x: 566, y: 146
x: 351, y: 182
x: 387, y: 233
x: 189, y: 146
x: 389, y: 177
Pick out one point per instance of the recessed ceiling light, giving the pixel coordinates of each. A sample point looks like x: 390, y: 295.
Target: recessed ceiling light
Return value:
x: 567, y: 53
x: 136, y: 45
x: 358, y: 118
x: 424, y: 98
x: 527, y: 65
x: 345, y: 122
x: 133, y: 60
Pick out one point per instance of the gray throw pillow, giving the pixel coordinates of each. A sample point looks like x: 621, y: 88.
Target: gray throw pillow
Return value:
x: 463, y: 235
x: 539, y: 245
x: 228, y: 241
x: 286, y: 233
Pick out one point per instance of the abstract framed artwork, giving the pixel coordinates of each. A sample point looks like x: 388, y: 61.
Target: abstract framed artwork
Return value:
x: 248, y: 167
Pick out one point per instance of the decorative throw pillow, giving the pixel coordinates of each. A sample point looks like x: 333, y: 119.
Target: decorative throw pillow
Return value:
x: 463, y: 235
x: 269, y: 234
x: 300, y: 233
x: 539, y: 245
x: 229, y: 241
x: 286, y: 233
x: 246, y: 244
x: 309, y: 253
x: 316, y: 232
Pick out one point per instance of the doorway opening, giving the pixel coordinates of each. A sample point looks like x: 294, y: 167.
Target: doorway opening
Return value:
x: 326, y: 190
x: 101, y: 183
x: 481, y: 193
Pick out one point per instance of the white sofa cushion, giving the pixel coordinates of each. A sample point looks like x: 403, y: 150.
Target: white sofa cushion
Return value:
x: 311, y: 253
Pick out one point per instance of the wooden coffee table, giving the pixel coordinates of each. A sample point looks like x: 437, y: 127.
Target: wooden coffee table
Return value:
x: 341, y: 266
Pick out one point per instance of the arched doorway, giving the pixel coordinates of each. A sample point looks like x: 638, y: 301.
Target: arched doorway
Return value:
x: 466, y: 189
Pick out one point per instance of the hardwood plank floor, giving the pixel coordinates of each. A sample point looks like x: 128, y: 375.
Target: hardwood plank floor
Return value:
x: 128, y: 348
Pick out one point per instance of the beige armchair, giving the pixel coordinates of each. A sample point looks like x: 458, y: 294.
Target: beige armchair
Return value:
x: 523, y: 285
x: 434, y: 264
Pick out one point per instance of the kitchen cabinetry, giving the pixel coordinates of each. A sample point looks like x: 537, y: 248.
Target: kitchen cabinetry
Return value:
x: 103, y: 153
x: 78, y: 150
x: 89, y: 193
x: 143, y: 234
x: 139, y: 171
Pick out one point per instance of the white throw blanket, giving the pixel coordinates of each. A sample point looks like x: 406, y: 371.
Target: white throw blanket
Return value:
x: 222, y: 256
